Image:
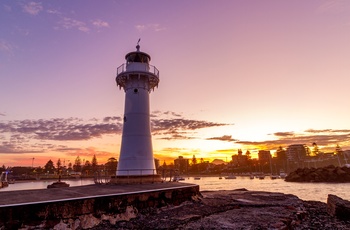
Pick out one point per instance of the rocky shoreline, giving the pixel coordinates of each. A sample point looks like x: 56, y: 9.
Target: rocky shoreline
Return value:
x: 325, y: 174
x: 239, y: 209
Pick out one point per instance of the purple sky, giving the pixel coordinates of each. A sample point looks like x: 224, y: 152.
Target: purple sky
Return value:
x: 246, y: 74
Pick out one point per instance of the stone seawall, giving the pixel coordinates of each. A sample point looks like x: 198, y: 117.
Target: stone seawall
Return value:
x: 87, y: 212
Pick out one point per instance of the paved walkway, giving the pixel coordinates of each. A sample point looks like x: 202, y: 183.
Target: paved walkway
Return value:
x: 14, y: 198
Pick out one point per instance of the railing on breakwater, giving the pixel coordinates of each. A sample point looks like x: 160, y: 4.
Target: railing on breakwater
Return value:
x: 104, y: 176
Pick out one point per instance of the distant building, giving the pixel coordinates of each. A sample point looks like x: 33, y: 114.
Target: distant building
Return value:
x: 297, y: 152
x: 346, y: 155
x: 181, y: 164
x: 264, y: 156
x: 239, y: 159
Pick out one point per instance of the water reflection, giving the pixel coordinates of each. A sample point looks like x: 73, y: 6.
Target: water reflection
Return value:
x: 42, y: 184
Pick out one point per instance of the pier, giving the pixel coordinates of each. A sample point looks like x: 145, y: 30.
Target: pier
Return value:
x: 87, y: 206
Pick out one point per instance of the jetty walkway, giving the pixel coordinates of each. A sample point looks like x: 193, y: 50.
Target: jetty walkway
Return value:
x: 25, y: 197
x: 45, y: 208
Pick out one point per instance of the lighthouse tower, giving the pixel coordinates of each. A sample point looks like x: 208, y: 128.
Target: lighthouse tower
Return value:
x: 138, y: 78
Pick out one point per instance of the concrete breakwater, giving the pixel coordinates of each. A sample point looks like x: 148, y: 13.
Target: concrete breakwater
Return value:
x: 87, y: 206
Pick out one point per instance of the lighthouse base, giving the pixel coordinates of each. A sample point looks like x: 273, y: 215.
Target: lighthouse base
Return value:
x: 136, y: 179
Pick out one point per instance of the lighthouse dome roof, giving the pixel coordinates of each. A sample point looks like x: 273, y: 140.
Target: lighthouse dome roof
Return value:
x: 138, y: 56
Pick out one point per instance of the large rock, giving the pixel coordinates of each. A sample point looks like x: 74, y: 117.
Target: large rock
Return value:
x: 338, y: 207
x: 325, y: 174
x: 235, y: 209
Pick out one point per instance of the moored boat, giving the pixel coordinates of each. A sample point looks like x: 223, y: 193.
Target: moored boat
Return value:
x: 58, y: 184
x: 178, y: 178
x: 261, y: 177
x: 230, y: 177
x: 273, y: 177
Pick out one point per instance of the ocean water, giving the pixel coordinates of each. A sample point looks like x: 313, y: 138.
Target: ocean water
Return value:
x: 305, y: 191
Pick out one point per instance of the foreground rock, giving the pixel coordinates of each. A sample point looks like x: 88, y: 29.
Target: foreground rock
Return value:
x: 325, y: 174
x: 338, y: 207
x: 237, y: 209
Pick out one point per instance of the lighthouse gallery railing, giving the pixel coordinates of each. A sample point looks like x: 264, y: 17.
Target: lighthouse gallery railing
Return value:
x: 147, y: 68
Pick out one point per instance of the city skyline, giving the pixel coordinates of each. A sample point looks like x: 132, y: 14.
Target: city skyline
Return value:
x: 235, y: 75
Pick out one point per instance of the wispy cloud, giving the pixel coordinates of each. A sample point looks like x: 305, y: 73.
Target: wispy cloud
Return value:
x: 100, y: 24
x: 7, y: 8
x: 155, y: 27
x: 2, y: 114
x: 171, y: 153
x: 173, y: 127
x: 53, y: 11
x: 32, y: 8
x: 223, y: 138
x: 169, y: 125
x: 34, y: 136
x: 327, y: 131
x: 70, y: 23
x: 334, y: 7
x: 284, y: 134
x: 326, y: 138
x: 87, y: 152
x: 7, y: 47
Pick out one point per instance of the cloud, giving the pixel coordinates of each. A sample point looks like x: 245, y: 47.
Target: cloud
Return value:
x: 70, y: 23
x: 327, y: 130
x: 71, y: 129
x: 223, y: 138
x: 53, y: 11
x: 226, y: 150
x: 112, y: 119
x: 42, y: 135
x: 283, y: 134
x: 16, y: 148
x: 32, y: 8
x: 7, y: 47
x: 333, y: 6
x: 60, y: 129
x: 100, y: 24
x: 2, y: 114
x: 7, y: 8
x: 326, y: 138
x: 32, y: 136
x: 172, y: 126
x: 155, y: 27
x: 172, y: 153
x: 88, y: 153
x: 180, y: 128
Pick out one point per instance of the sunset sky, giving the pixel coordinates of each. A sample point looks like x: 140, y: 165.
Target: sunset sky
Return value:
x: 242, y: 74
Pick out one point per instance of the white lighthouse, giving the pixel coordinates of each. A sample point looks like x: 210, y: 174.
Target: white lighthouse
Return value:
x: 138, y: 78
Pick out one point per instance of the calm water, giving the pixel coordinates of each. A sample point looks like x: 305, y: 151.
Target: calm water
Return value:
x: 305, y: 191
x: 42, y: 184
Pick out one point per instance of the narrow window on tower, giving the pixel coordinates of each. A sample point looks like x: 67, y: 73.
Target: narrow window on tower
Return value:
x: 136, y: 91
x: 124, y: 118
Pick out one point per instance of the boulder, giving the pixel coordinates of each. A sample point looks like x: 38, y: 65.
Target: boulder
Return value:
x: 234, y: 209
x: 338, y: 207
x: 325, y: 174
